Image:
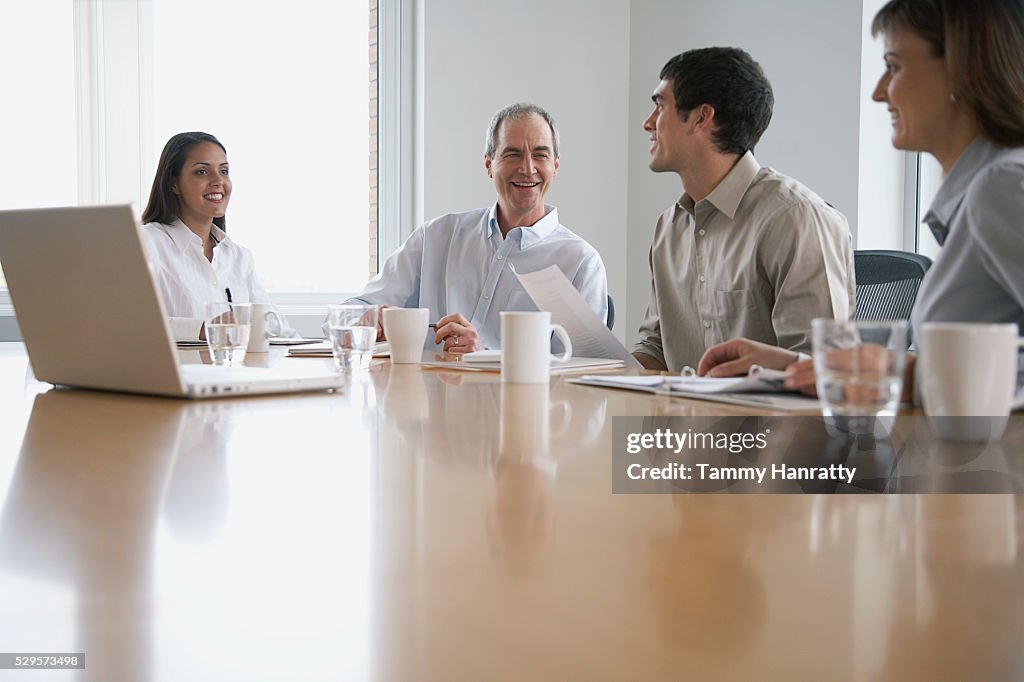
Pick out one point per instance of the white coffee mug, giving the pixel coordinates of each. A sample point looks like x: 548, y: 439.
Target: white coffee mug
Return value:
x: 526, y: 347
x: 406, y: 332
x: 967, y: 374
x: 265, y: 323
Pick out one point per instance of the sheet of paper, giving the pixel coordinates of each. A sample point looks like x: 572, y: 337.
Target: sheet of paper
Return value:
x: 552, y: 292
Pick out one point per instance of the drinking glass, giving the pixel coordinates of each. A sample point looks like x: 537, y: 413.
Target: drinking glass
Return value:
x: 859, y: 366
x: 353, y: 331
x: 227, y: 331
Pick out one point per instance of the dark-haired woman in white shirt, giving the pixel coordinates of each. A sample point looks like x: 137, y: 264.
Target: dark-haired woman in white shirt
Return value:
x: 194, y: 261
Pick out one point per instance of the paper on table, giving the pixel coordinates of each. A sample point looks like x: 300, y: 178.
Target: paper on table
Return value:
x: 322, y: 349
x: 291, y: 341
x: 573, y: 364
x: 552, y: 292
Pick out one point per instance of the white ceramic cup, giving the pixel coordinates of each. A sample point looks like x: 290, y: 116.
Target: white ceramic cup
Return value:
x: 526, y: 347
x: 406, y: 332
x: 264, y: 324
x: 967, y: 375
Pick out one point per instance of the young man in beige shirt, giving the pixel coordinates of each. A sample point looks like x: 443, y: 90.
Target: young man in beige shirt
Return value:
x: 746, y: 251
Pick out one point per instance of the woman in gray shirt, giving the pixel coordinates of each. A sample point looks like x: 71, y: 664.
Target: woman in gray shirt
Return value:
x: 954, y: 86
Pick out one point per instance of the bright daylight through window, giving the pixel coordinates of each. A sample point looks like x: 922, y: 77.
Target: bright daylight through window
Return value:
x: 38, y: 117
x: 286, y: 92
x: 284, y: 88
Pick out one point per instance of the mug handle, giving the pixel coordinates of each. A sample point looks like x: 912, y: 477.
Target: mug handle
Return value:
x: 563, y: 336
x: 271, y: 317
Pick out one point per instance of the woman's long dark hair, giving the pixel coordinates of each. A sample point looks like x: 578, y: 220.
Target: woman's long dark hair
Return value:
x: 163, y: 203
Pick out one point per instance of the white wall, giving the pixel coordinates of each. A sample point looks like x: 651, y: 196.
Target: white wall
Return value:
x: 569, y: 56
x: 810, y: 51
x: 594, y: 66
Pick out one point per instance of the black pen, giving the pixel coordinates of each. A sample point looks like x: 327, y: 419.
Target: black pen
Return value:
x: 228, y: 292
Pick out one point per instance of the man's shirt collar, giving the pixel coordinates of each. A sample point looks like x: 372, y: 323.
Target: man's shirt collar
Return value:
x: 529, y: 235
x: 726, y: 196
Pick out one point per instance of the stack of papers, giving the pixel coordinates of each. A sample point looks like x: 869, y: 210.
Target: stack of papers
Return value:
x: 557, y: 366
x: 291, y: 341
x: 274, y: 341
x: 322, y: 349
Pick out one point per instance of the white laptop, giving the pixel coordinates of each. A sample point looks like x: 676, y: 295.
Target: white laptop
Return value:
x: 91, y: 316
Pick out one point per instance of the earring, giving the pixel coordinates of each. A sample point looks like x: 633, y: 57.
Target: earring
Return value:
x: 952, y: 98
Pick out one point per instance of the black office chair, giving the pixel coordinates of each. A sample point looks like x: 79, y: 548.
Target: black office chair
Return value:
x: 887, y: 283
x: 611, y: 312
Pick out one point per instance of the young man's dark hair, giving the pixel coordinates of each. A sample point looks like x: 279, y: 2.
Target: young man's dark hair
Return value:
x: 728, y: 79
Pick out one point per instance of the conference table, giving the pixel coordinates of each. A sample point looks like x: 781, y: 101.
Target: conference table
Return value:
x: 439, y: 525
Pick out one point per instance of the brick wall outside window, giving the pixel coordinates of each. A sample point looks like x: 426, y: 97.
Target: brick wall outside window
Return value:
x: 373, y: 139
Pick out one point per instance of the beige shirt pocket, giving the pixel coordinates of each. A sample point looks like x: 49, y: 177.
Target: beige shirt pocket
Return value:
x: 741, y: 312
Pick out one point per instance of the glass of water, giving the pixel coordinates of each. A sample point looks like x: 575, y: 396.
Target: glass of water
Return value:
x: 227, y: 332
x: 858, y: 367
x: 353, y: 331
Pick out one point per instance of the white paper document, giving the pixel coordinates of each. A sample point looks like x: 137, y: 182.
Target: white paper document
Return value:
x: 553, y: 293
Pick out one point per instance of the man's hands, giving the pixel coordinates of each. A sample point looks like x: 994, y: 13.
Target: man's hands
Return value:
x: 457, y: 334
x: 736, y: 356
x: 454, y: 331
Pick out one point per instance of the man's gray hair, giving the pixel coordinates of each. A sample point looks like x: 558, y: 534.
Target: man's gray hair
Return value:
x: 515, y: 112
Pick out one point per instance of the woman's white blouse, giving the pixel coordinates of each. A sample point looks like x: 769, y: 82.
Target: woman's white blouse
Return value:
x: 187, y: 281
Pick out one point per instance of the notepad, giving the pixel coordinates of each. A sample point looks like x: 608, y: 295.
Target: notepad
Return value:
x: 763, y: 388
x: 488, y: 355
x: 703, y: 385
x: 747, y: 391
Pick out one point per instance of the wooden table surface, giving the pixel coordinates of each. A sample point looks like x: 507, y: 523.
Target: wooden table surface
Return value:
x: 425, y: 525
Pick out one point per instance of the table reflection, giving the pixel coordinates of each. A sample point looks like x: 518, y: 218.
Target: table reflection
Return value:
x: 707, y: 596
x: 94, y: 461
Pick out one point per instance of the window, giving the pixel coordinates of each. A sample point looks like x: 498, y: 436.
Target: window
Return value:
x: 929, y: 179
x: 284, y: 88
x: 286, y: 92
x: 38, y: 123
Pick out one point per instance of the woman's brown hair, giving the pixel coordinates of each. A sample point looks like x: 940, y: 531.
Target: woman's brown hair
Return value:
x: 163, y: 203
x: 982, y: 42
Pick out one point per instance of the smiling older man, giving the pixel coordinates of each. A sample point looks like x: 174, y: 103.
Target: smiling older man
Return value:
x: 460, y: 265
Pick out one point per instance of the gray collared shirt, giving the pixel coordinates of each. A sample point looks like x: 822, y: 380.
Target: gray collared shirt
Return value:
x: 978, y: 218
x: 760, y: 257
